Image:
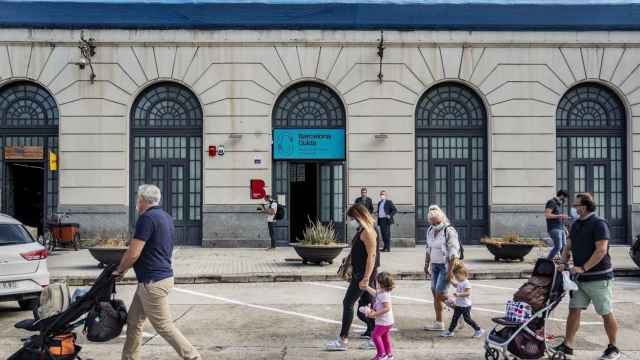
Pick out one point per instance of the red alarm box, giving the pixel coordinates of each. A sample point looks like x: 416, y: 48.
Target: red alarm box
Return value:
x: 257, y: 189
x: 213, y: 151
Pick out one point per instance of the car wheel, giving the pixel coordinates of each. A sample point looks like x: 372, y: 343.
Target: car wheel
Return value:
x: 29, y: 304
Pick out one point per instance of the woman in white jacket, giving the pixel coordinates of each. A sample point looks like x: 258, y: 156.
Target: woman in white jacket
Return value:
x: 443, y: 250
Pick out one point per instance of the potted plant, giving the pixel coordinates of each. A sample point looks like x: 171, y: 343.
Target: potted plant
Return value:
x: 318, y: 243
x: 511, y: 246
x: 634, y: 251
x: 109, y: 251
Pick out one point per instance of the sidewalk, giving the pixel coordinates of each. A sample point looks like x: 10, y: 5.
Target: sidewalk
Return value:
x: 206, y: 265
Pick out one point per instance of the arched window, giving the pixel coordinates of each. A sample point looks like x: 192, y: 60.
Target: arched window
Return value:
x: 309, y: 105
x: 27, y: 105
x: 166, y: 146
x: 166, y: 105
x: 590, y: 129
x: 450, y: 159
x: 28, y: 118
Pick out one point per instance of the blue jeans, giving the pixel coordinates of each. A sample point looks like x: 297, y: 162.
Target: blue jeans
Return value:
x: 439, y: 280
x: 559, y: 238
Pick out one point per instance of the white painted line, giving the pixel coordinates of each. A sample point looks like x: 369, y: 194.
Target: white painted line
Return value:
x: 144, y: 334
x: 261, y: 307
x: 475, y: 283
x: 625, y: 283
x: 431, y: 302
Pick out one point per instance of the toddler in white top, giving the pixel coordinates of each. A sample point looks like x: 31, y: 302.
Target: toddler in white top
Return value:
x: 383, y: 314
x: 462, y: 302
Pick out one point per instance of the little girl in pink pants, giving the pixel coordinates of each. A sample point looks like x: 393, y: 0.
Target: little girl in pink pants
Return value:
x: 383, y: 314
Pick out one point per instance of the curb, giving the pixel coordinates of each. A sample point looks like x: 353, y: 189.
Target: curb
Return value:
x: 268, y: 278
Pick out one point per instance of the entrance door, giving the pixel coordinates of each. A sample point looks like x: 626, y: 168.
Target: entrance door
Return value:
x: 592, y: 177
x: 303, y: 202
x: 26, y: 193
x: 450, y: 192
x: 29, y: 187
x: 595, y: 165
x: 173, y: 164
x: 450, y: 173
x: 312, y: 191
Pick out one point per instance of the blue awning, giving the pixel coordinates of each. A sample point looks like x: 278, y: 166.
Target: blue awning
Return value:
x: 498, y: 15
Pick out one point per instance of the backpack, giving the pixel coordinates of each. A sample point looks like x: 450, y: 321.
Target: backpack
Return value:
x: 446, y: 238
x: 279, y: 215
x: 106, y: 320
x: 54, y: 299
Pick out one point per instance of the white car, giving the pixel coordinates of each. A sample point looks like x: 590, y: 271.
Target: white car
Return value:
x: 23, y: 264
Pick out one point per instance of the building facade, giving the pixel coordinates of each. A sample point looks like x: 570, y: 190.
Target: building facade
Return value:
x: 487, y: 124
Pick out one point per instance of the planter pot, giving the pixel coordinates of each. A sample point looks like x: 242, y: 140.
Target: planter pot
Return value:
x: 107, y: 255
x: 317, y: 254
x: 509, y: 252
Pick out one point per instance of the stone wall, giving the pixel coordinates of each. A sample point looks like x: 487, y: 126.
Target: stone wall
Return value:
x: 237, y: 75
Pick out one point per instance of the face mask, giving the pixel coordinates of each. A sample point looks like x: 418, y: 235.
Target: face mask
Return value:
x: 573, y: 213
x: 382, y: 197
x: 354, y: 223
x: 439, y: 226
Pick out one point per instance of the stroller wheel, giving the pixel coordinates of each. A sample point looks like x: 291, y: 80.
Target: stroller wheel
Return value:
x: 491, y: 354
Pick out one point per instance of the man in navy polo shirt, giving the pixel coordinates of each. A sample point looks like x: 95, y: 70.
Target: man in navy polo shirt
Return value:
x: 150, y: 255
x: 588, y: 246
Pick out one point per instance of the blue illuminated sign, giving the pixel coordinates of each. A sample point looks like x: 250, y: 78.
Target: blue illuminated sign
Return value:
x: 308, y: 144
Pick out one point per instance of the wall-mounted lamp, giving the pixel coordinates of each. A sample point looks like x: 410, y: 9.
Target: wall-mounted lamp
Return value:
x: 381, y: 136
x: 235, y: 136
x: 381, y: 54
x: 87, y: 51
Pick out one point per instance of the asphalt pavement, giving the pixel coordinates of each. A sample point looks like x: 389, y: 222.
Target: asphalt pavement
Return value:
x: 294, y: 320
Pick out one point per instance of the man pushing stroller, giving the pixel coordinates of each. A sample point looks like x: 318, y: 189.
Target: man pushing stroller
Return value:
x: 150, y: 254
x: 588, y: 246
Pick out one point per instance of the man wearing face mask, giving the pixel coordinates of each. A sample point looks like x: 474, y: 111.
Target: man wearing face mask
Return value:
x: 588, y: 246
x: 386, y: 212
x: 555, y: 222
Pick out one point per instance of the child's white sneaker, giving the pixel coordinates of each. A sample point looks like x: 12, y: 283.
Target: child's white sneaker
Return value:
x: 367, y: 345
x: 478, y: 333
x: 388, y: 357
x: 435, y: 326
x: 447, y: 334
x: 336, y: 345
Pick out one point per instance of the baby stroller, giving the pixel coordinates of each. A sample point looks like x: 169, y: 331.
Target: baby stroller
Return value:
x: 529, y: 339
x: 56, y: 338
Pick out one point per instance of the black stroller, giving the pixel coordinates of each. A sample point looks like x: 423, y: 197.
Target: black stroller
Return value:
x: 56, y: 331
x: 529, y: 339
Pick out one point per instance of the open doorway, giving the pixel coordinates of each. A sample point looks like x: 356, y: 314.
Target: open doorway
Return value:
x: 25, y: 195
x: 303, y: 200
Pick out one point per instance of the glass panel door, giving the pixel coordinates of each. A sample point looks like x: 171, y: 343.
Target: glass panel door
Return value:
x: 332, y: 197
x: 173, y: 163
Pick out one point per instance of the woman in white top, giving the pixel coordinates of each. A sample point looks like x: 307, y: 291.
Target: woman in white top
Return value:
x: 443, y: 248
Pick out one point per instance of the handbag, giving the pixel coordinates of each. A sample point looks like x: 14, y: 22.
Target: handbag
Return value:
x: 345, y: 270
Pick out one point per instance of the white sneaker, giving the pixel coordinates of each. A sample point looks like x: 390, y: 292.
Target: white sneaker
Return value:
x: 436, y: 326
x: 388, y: 357
x: 478, y: 334
x: 446, y: 334
x: 336, y: 345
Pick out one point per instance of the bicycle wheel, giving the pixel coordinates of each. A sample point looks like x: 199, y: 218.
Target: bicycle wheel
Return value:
x: 76, y: 241
x: 49, y: 240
